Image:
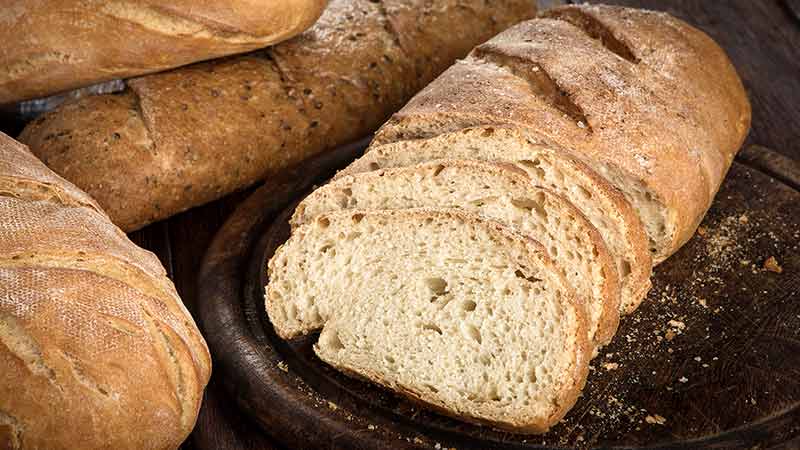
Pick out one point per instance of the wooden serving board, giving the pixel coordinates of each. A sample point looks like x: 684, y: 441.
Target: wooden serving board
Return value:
x: 711, y: 358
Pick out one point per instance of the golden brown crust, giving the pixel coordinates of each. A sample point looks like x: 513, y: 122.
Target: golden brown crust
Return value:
x: 125, y: 38
x: 623, y: 114
x: 200, y: 132
x: 92, y: 332
x: 687, y: 68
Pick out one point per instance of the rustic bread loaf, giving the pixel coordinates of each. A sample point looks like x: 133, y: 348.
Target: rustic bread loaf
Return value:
x: 96, y: 347
x: 548, y: 166
x: 185, y: 137
x: 65, y: 44
x: 650, y: 103
x: 450, y: 309
x: 499, y: 192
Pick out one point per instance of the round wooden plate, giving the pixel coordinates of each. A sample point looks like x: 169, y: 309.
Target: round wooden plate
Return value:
x: 711, y: 358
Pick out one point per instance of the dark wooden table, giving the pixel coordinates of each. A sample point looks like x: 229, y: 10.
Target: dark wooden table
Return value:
x: 762, y: 38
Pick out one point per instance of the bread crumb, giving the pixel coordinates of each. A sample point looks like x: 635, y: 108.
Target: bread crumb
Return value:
x: 698, y: 359
x: 771, y: 264
x: 283, y: 366
x: 371, y: 427
x: 702, y: 231
x: 656, y: 419
x: 332, y: 406
x: 702, y: 302
x: 610, y: 366
x: 683, y: 379
x: 744, y: 219
x: 677, y: 324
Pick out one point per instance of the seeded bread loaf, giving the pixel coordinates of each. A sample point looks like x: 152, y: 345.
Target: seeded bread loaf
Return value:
x: 178, y: 139
x: 97, y: 350
x: 65, y: 44
x: 455, y: 311
x: 499, y: 192
x: 651, y: 104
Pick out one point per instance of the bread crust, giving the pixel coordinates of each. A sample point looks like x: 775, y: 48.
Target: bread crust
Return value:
x: 66, y: 44
x: 538, y: 257
x: 637, y: 119
x: 92, y: 332
x: 182, y: 138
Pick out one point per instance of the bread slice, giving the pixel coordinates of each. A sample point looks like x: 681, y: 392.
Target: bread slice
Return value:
x: 447, y: 308
x: 500, y: 192
x: 548, y: 166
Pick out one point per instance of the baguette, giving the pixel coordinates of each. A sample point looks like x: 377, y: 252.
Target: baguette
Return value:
x: 65, y: 44
x: 648, y: 102
x: 96, y: 348
x: 499, y: 192
x: 453, y: 310
x: 182, y: 138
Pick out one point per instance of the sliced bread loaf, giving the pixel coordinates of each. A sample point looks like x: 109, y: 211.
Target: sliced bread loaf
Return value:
x: 651, y: 104
x: 548, y: 166
x: 500, y: 192
x: 450, y: 309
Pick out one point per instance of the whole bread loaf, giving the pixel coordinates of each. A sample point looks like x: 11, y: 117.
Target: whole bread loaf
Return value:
x: 97, y: 350
x: 65, y: 44
x: 185, y: 137
x: 650, y: 103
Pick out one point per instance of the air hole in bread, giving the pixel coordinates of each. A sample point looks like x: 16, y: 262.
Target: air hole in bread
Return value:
x: 472, y: 332
x: 531, y: 279
x: 469, y: 305
x: 432, y: 327
x: 374, y: 166
x: 487, y: 132
x: 331, y: 341
x: 357, y: 217
x: 532, y: 167
x: 291, y: 311
x: 437, y: 286
x: 324, y: 222
x: 438, y: 169
x: 493, y: 395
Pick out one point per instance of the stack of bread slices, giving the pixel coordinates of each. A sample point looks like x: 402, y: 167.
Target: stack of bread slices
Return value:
x: 483, y: 249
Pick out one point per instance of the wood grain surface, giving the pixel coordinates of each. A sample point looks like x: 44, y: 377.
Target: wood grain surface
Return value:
x: 761, y: 36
